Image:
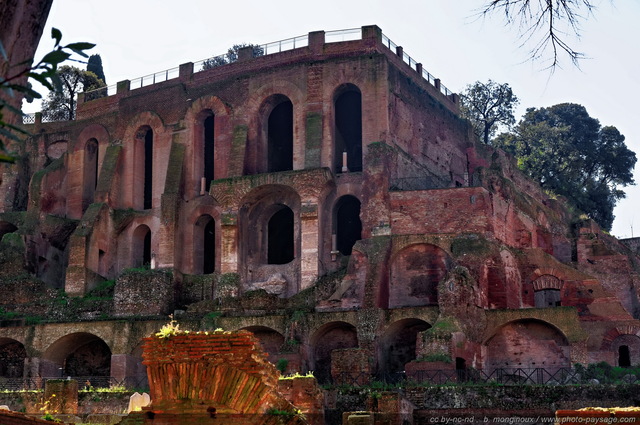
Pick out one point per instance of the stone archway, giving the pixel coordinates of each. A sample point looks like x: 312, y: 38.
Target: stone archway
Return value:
x: 329, y: 337
x: 79, y: 354
x: 397, y: 345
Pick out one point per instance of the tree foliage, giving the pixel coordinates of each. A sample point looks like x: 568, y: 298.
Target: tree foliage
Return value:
x: 571, y: 154
x: 60, y: 105
x: 45, y: 72
x: 545, y: 25
x: 231, y: 55
x: 488, y: 105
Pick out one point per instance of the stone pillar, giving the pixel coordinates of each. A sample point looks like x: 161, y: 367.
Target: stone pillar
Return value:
x: 62, y: 396
x: 75, y: 283
x: 124, y: 366
x: 309, y: 245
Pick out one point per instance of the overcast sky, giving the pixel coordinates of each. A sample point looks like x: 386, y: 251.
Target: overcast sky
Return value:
x: 140, y: 37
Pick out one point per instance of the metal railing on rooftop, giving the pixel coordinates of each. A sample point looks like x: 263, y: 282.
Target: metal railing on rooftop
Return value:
x: 157, y: 77
x: 337, y: 36
x: 264, y: 49
x: 412, y: 63
x: 100, y: 92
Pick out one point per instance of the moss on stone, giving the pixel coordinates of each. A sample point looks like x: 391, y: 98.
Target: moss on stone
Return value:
x: 122, y: 218
x: 442, y: 329
x: 108, y: 169
x: 90, y: 216
x: 314, y: 139
x: 13, y: 240
x: 470, y: 243
x: 377, y: 152
x: 174, y: 169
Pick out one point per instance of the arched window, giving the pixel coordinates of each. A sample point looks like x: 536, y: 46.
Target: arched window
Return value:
x: 348, y: 129
x: 280, y: 137
x: 348, y: 227
x: 90, y: 173
x: 280, y: 246
x: 148, y: 169
x: 208, y: 149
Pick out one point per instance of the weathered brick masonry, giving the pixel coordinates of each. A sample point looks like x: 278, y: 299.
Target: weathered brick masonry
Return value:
x: 327, y: 198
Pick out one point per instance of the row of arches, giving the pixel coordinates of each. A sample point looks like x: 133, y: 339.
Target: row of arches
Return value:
x: 523, y: 343
x: 270, y: 236
x: 272, y: 152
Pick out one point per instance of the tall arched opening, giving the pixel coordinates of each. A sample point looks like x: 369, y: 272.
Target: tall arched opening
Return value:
x: 204, y: 245
x: 208, y: 144
x: 141, y: 246
x: 279, y: 133
x: 348, y: 128
x: 347, y: 224
x: 280, y: 245
x: 90, y: 173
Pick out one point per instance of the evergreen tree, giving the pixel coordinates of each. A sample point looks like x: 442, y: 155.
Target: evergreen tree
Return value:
x: 94, y: 64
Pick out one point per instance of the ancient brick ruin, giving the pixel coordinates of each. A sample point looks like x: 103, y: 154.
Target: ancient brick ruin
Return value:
x: 327, y: 198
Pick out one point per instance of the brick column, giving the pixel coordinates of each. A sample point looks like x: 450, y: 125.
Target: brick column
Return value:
x: 229, y: 242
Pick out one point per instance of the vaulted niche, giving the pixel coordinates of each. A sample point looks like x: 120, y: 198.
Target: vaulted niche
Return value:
x: 398, y: 345
x: 208, y: 148
x: 12, y: 357
x: 329, y: 337
x: 347, y: 224
x: 280, y: 247
x: 90, y: 173
x: 280, y: 134
x: 348, y: 128
x: 141, y: 246
x: 269, y: 241
x: 547, y: 298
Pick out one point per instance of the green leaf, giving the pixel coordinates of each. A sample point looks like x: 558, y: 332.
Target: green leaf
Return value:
x: 56, y: 57
x: 80, y: 46
x: 56, y: 34
x: 41, y: 79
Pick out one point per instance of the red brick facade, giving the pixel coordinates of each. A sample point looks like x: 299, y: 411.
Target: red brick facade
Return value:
x: 426, y: 246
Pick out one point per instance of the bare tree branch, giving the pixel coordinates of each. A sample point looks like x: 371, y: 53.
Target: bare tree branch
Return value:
x: 545, y: 25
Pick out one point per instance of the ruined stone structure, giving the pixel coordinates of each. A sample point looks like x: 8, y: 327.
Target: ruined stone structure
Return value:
x: 328, y: 198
